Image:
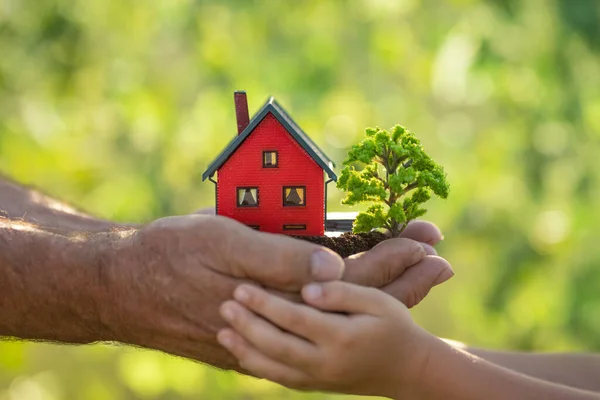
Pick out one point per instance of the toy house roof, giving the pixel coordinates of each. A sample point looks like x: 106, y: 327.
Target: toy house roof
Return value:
x: 273, y: 107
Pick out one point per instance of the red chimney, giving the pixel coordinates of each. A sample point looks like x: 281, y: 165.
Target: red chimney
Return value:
x: 241, y: 110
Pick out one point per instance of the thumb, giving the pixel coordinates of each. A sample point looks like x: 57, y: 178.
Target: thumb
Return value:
x: 274, y: 261
x: 346, y: 297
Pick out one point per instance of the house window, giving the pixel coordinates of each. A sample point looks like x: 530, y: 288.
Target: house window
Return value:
x: 294, y: 227
x: 247, y: 197
x: 270, y: 159
x: 294, y: 196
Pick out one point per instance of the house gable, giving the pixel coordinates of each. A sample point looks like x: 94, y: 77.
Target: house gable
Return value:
x: 271, y: 106
x: 295, y: 169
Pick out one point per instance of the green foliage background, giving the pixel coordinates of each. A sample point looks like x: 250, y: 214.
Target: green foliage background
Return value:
x: 118, y: 106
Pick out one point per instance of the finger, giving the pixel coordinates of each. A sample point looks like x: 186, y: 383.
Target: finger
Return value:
x: 294, y: 297
x: 429, y: 250
x: 417, y: 281
x: 277, y: 261
x: 258, y: 364
x: 268, y: 339
x: 346, y: 297
x: 383, y: 263
x: 298, y: 319
x: 423, y: 231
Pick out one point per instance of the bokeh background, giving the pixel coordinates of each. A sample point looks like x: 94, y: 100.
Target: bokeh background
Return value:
x: 118, y: 106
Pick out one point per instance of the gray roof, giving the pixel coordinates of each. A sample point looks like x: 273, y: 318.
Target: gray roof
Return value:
x: 273, y: 107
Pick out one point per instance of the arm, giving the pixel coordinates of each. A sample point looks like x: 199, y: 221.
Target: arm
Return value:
x: 29, y: 205
x: 157, y: 287
x: 461, y: 375
x: 358, y: 340
x: 51, y: 286
x: 576, y: 370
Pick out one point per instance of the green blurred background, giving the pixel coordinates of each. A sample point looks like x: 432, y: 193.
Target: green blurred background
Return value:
x: 118, y: 106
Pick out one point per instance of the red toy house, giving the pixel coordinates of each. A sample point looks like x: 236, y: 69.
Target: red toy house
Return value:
x: 271, y: 176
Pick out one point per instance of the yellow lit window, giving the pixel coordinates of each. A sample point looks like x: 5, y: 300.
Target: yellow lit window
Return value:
x: 270, y: 159
x: 294, y: 196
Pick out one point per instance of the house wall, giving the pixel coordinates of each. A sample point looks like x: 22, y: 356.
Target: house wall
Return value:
x: 296, y: 168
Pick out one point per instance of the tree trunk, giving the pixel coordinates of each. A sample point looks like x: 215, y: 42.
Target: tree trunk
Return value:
x: 395, y: 231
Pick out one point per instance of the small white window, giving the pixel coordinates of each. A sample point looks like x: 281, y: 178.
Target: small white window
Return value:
x: 247, y: 197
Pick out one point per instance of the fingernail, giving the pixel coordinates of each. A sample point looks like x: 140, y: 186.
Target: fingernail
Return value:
x: 429, y: 250
x: 241, y: 294
x: 444, y: 276
x: 418, y: 252
x: 312, y: 291
x: 227, y: 313
x: 326, y: 266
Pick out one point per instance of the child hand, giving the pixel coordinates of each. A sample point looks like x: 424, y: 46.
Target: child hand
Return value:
x: 374, y: 348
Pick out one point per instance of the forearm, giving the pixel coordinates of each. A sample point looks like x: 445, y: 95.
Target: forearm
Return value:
x: 577, y: 370
x: 452, y: 373
x: 52, y: 287
x: 26, y: 204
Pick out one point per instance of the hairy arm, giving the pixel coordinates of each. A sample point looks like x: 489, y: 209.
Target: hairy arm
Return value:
x: 29, y: 205
x: 51, y: 286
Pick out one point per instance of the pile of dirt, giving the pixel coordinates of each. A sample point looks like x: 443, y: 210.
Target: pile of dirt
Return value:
x: 348, y: 243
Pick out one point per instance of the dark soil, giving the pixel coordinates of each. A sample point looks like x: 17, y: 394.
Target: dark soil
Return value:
x: 348, y: 243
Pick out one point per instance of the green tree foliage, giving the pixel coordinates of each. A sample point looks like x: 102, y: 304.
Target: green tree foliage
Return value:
x: 395, y: 166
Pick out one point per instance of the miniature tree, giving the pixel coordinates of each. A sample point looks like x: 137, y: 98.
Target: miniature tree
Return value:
x: 397, y: 176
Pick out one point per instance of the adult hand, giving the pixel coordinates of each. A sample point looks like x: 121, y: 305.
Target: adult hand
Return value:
x: 166, y: 282
x: 408, y: 283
